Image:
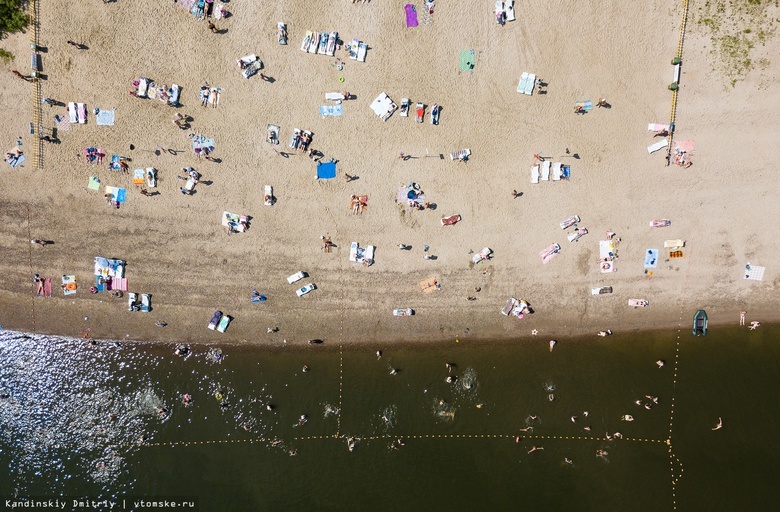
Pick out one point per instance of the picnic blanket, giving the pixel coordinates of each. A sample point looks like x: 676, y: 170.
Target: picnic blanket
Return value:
x: 330, y: 110
x: 651, y: 258
x: 326, y: 170
x: 63, y: 123
x: 202, y: 143
x: 411, y: 15
x: 119, y: 194
x: 468, y: 59
x: 754, y: 272
x: 69, y: 285
x: 104, y: 117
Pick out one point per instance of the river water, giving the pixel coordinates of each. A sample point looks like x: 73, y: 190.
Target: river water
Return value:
x: 107, y: 421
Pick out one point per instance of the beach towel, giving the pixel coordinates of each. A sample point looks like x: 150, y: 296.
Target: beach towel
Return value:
x: 655, y: 127
x: 556, y: 171
x: 118, y: 194
x: 93, y: 183
x: 330, y: 110
x: 658, y: 145
x: 546, y: 170
x: 119, y: 283
x: 684, y: 145
x: 535, y: 174
x: 104, y: 117
x: 82, y: 111
x: 62, y: 124
x: 100, y: 284
x: 754, y: 273
x: 585, y: 104
x: 16, y: 161
x: 411, y: 15
x: 467, y: 60
x: 651, y: 258
x: 138, y: 177
x: 69, y: 285
x: 73, y: 116
x: 326, y: 170
x: 527, y: 83
x: 550, y: 252
x: 47, y: 287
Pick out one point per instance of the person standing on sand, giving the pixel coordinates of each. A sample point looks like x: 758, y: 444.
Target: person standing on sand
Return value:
x: 742, y: 317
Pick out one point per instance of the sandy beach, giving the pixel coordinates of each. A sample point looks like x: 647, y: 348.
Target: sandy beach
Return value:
x: 176, y: 249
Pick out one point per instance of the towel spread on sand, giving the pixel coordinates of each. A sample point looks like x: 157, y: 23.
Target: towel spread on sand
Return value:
x: 411, y: 15
x: 753, y: 272
x: 651, y: 258
x: 467, y: 60
x: 330, y: 110
x: 105, y: 117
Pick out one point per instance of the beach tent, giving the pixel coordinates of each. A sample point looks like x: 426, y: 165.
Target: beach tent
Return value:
x: 326, y: 170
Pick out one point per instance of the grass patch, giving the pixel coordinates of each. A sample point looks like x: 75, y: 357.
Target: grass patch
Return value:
x: 735, y: 28
x: 6, y: 56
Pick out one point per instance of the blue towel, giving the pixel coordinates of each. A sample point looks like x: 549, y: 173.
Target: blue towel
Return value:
x: 330, y: 110
x: 121, y: 195
x: 651, y: 258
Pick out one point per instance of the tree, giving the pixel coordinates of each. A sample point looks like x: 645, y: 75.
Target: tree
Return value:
x: 12, y: 17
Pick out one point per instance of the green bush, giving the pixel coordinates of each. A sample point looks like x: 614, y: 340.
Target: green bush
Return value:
x: 12, y: 17
x: 6, y: 56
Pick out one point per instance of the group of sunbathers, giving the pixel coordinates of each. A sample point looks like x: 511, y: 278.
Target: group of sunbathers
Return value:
x: 13, y: 157
x: 94, y: 155
x: 358, y: 203
x: 301, y: 140
x: 682, y: 158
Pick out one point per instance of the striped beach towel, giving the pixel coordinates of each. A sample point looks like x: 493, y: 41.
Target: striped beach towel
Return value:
x: 119, y: 283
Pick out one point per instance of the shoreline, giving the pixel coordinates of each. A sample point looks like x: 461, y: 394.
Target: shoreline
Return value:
x: 177, y: 251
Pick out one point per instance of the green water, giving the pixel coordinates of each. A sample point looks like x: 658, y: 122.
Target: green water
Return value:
x: 80, y: 420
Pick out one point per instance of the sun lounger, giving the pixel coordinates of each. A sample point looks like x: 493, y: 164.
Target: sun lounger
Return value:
x: 576, y: 234
x: 138, y: 177
x: 674, y: 244
x: 361, y: 54
x: 323, y: 46
x: 638, y: 303
x: 435, y: 113
x: 556, y: 171
x: 306, y: 41
x: 405, y: 107
x: 484, y: 254
x: 450, y: 221
x: 546, y: 170
x: 500, y: 14
x: 658, y: 145
x: 570, y: 221
x: 330, y: 49
x: 151, y: 177
x: 420, y: 112
x: 550, y: 252
x: 132, y: 302
x: 281, y: 33
x: 295, y: 138
x: 268, y: 195
x: 338, y: 97
x: 527, y: 83
x: 215, y: 319
x: 509, y: 10
x: 223, y: 323
x: 72, y: 113
x: 296, y: 277
x: 173, y: 95
x: 272, y: 136
x: 146, y: 303
x: 461, y: 155
x: 601, y: 291
x: 143, y: 87
x: 535, y: 174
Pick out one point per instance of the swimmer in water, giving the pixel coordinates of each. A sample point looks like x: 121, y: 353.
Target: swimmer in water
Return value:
x: 567, y: 460
x: 653, y: 398
x: 638, y: 402
x: 532, y: 418
x: 449, y: 367
x: 587, y: 429
x: 534, y: 448
x: 393, y: 371
x: 617, y: 435
x: 378, y: 355
x: 609, y: 437
x: 573, y: 419
x: 719, y: 425
x: 526, y: 429
x: 451, y: 379
x: 660, y: 363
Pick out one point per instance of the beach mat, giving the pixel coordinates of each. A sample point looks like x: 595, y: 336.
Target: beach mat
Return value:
x: 684, y: 145
x: 93, y: 183
x: 330, y: 110
x: 467, y: 60
x: 63, y: 124
x: 47, y: 287
x: 67, y: 280
x: 411, y: 16
x: 104, y: 118
x: 658, y: 145
x: 651, y: 258
x: 754, y: 273
x: 326, y: 170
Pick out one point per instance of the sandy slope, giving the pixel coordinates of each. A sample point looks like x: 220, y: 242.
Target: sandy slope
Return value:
x: 177, y: 250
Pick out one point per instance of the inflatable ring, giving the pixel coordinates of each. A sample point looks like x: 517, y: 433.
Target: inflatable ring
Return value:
x: 340, y: 67
x: 70, y: 286
x: 605, y: 266
x: 341, y: 79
